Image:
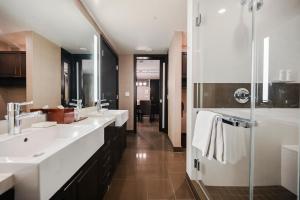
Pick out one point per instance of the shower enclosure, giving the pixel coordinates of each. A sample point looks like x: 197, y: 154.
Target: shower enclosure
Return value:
x: 246, y: 67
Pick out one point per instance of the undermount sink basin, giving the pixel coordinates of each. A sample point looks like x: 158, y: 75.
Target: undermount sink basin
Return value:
x: 43, y: 159
x: 121, y: 116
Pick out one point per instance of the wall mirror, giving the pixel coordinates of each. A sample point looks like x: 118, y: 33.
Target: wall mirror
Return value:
x: 48, y: 54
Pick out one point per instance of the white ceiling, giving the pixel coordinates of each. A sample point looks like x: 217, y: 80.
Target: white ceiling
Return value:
x: 139, y: 23
x: 60, y: 21
x: 147, y: 69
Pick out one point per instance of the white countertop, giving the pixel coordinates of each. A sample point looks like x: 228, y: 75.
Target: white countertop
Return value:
x: 120, y: 116
x: 40, y: 160
x: 97, y: 121
x: 6, y: 182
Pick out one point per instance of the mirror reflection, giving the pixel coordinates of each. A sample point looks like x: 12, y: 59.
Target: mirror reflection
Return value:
x: 45, y: 57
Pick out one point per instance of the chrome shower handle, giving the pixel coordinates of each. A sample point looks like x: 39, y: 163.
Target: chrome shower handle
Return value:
x: 242, y: 95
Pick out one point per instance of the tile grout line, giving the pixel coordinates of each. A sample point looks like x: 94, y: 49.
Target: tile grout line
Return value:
x: 172, y: 185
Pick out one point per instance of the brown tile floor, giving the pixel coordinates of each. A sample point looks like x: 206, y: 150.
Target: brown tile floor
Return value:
x: 242, y: 193
x: 149, y: 169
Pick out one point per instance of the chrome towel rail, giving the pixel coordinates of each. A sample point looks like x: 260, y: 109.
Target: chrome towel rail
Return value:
x: 236, y: 121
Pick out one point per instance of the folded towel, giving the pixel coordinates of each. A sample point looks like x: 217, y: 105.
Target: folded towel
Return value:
x: 235, y: 144
x: 203, y: 132
x: 220, y: 141
x: 211, y: 154
x: 217, y: 140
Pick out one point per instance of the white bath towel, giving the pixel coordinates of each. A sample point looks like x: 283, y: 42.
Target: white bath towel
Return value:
x: 202, y: 139
x: 217, y: 140
x: 235, y: 143
x: 212, y: 147
x: 220, y: 141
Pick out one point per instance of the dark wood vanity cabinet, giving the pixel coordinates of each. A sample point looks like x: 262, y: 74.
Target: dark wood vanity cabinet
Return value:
x: 94, y: 177
x: 87, y: 183
x: 8, y: 195
x: 12, y: 64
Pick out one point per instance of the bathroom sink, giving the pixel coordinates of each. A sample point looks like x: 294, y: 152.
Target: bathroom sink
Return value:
x: 43, y: 159
x: 33, y: 141
x: 121, y: 116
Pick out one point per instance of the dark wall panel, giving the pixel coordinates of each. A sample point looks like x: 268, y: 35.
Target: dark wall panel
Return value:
x: 220, y: 95
x: 109, y: 75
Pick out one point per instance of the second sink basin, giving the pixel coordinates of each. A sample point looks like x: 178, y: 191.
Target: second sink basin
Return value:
x: 121, y: 116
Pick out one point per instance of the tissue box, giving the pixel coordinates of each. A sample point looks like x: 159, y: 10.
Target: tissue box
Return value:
x: 61, y: 116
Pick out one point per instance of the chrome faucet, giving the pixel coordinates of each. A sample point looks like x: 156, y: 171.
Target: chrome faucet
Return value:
x: 14, y: 116
x: 78, y: 103
x: 78, y: 107
x: 101, y: 105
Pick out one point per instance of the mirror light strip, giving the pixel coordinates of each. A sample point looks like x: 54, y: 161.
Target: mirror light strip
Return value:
x: 266, y: 69
x: 95, y: 68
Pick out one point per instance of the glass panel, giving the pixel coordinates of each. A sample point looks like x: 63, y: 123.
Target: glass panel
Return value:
x: 278, y: 88
x: 222, y: 84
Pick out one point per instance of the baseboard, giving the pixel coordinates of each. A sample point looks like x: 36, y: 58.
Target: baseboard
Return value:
x: 195, y: 193
x: 183, y: 140
x: 198, y: 189
x: 175, y: 149
x: 130, y: 132
x: 178, y: 149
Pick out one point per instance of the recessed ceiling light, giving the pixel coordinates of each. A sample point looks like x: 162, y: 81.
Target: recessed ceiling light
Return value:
x: 222, y: 11
x: 142, y: 58
x: 83, y: 48
x: 143, y: 48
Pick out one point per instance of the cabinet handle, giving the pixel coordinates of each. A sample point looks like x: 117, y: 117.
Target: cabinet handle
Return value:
x: 74, y: 179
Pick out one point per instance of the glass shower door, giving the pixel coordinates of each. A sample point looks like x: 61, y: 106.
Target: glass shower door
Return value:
x: 277, y: 60
x: 222, y: 52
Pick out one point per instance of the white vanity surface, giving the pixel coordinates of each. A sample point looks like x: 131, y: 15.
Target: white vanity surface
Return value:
x: 120, y: 116
x: 6, y: 182
x: 41, y: 160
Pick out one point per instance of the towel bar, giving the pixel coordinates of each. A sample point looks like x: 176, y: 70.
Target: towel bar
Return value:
x: 237, y: 121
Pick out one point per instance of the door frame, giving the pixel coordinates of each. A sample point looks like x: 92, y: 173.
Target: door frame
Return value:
x: 163, y: 59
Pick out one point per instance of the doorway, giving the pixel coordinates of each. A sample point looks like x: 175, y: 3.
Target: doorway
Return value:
x: 150, y: 96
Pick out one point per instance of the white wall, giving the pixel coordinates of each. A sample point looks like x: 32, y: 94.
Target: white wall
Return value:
x: 126, y: 79
x: 280, y: 20
x: 223, y: 43
x: 224, y: 40
x: 174, y: 90
x: 43, y: 71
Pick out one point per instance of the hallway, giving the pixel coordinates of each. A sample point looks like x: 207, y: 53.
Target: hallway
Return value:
x: 149, y: 169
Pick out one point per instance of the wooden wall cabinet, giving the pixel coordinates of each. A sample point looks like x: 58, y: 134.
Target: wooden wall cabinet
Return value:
x: 92, y: 180
x: 12, y: 64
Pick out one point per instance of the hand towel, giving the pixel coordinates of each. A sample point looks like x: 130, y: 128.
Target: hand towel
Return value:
x: 203, y: 130
x: 235, y: 143
x: 215, y: 137
x: 220, y: 142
